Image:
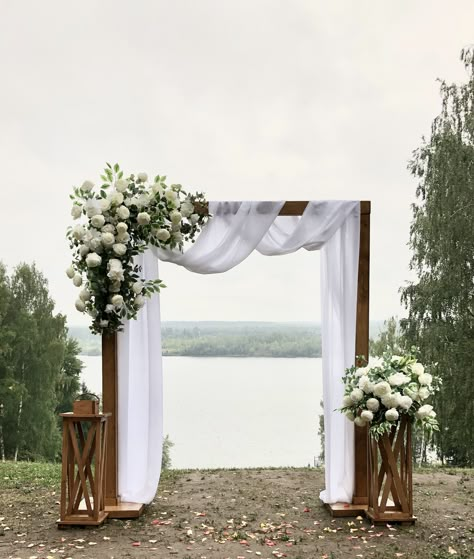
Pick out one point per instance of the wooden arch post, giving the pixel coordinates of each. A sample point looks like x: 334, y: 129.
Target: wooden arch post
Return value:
x: 118, y: 509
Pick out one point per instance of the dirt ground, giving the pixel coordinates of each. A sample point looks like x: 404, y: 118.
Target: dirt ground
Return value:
x: 240, y: 514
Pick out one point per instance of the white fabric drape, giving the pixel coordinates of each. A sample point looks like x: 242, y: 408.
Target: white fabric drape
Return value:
x: 234, y: 231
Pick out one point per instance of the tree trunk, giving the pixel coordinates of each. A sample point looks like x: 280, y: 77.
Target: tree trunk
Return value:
x: 17, y: 442
x: 2, y: 441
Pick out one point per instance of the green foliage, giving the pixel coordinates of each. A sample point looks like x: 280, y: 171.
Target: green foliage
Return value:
x: 39, y: 371
x: 441, y: 300
x: 166, y: 456
x: 390, y: 338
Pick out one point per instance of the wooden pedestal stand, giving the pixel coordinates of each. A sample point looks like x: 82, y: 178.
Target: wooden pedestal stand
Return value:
x: 83, y: 469
x: 390, y: 463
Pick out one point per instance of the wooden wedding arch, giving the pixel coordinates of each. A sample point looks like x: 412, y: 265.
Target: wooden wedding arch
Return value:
x: 118, y: 509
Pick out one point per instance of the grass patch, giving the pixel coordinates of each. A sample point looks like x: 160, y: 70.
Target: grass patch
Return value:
x: 30, y: 475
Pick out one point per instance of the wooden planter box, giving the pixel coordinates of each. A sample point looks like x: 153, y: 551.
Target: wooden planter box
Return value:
x: 390, y: 475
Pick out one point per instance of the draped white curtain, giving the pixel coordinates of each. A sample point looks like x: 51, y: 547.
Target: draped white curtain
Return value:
x: 234, y: 231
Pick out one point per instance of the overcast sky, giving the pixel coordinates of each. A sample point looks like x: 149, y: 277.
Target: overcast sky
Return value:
x: 243, y: 99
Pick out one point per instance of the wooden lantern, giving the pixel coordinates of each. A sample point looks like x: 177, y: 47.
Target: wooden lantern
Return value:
x: 390, y: 475
x: 83, y: 465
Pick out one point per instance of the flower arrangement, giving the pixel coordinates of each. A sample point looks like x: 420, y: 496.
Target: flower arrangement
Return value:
x: 387, y: 387
x: 119, y: 220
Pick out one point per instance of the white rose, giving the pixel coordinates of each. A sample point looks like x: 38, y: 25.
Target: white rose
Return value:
x: 347, y: 401
x: 123, y: 237
x: 98, y: 221
x: 139, y: 301
x: 108, y: 239
x: 92, y: 312
x: 137, y: 287
x: 425, y: 378
x: 423, y: 393
x: 119, y: 249
x: 142, y: 177
x: 104, y: 323
x: 357, y: 395
x: 78, y: 232
x: 365, y: 384
x: 93, y: 207
x: 373, y: 404
x: 424, y: 411
x: 115, y: 272
x: 109, y: 308
x: 121, y: 185
x: 123, y: 212
x: 117, y: 301
x: 122, y: 227
x: 128, y: 202
x: 417, y: 368
x: 361, y: 371
x: 70, y: 272
x: 80, y: 305
x: 77, y: 280
x: 85, y: 295
x: 95, y: 244
x: 157, y: 189
x: 186, y: 208
x: 116, y: 198
x: 391, y: 415
x: 143, y: 200
x: 76, y: 211
x: 194, y: 219
x: 375, y: 362
x: 87, y: 186
x: 93, y: 260
x: 405, y: 402
x: 175, y: 217
x: 350, y: 416
x: 108, y: 228
x: 391, y: 400
x: 162, y: 234
x: 171, y: 195
x: 143, y: 218
x: 367, y: 415
x: 83, y: 250
x: 397, y: 379
x: 382, y: 389
x: 432, y: 414
x: 360, y: 422
x: 105, y: 204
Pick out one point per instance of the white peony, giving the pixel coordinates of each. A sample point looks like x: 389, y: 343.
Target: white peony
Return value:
x: 76, y: 211
x: 391, y: 414
x: 115, y: 272
x: 85, y: 295
x: 93, y: 207
x: 405, y: 402
x: 143, y: 200
x: 78, y: 232
x: 424, y: 411
x: 360, y: 422
x: 137, y: 287
x: 116, y: 198
x: 108, y: 228
x: 425, y: 378
x: 93, y: 260
x: 95, y: 244
x: 98, y: 221
x: 123, y: 212
x: 375, y: 362
x: 177, y: 237
x: 175, y: 217
x: 117, y: 301
x: 367, y: 415
x: 373, y: 404
x: 77, y: 280
x: 357, y: 395
x: 119, y: 249
x: 123, y: 237
x: 186, y: 208
x: 87, y: 186
x: 162, y: 234
x: 361, y: 371
x: 139, y: 301
x: 365, y: 384
x: 423, y: 393
x: 417, y: 368
x: 142, y: 177
x: 105, y: 204
x: 80, y: 305
x: 391, y: 400
x: 194, y: 219
x: 171, y: 195
x: 347, y: 401
x: 121, y: 185
x: 143, y: 218
x: 122, y: 227
x: 397, y: 379
x: 108, y: 239
x: 382, y: 389
x: 70, y: 272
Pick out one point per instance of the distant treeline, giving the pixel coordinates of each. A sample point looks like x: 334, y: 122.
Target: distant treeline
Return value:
x: 229, y: 339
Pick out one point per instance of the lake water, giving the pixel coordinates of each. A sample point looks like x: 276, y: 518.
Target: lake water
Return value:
x: 237, y: 412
